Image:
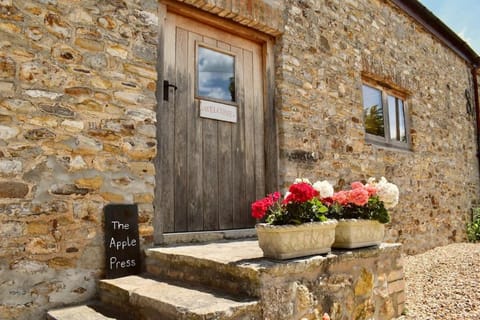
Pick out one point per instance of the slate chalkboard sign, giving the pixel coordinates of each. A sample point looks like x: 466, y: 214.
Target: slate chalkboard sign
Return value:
x: 122, y: 246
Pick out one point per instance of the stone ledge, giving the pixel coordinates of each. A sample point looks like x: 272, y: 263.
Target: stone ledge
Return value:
x: 150, y: 299
x: 207, y: 236
x: 247, y: 254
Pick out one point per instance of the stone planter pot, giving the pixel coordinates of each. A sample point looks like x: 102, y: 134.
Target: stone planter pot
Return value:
x: 357, y: 233
x: 289, y: 241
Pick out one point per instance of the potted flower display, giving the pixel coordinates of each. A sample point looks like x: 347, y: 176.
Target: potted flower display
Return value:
x: 295, y: 225
x: 362, y: 212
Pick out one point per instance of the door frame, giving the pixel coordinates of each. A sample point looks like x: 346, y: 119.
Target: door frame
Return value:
x: 270, y: 123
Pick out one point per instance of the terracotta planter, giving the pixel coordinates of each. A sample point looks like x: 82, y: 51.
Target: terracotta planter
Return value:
x: 289, y: 241
x: 357, y: 233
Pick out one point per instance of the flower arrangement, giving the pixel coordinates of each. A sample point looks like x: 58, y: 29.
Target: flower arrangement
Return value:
x: 307, y: 202
x: 302, y: 203
x: 369, y: 201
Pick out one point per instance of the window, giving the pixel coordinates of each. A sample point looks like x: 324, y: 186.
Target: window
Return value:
x: 384, y: 117
x: 215, y: 75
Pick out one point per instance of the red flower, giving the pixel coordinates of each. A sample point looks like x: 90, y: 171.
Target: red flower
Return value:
x: 328, y: 201
x: 300, y: 192
x: 260, y: 207
x: 341, y: 197
x: 358, y: 196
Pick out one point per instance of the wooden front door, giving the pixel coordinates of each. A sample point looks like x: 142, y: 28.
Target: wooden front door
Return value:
x: 211, y: 128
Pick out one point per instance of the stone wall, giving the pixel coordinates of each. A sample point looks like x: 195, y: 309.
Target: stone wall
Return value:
x: 77, y: 131
x: 320, y: 58
x: 262, y: 15
x: 361, y: 284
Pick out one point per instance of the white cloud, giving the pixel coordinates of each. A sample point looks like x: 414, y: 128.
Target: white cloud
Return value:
x: 212, y: 61
x: 464, y: 35
x: 219, y: 93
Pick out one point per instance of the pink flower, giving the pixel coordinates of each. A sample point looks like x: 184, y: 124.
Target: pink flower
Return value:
x: 357, y: 185
x: 358, y: 196
x: 275, y: 196
x: 341, y: 197
x: 371, y: 190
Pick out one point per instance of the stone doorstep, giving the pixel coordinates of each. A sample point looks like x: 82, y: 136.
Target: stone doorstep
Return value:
x: 227, y: 266
x: 151, y: 298
x: 208, y: 236
x: 247, y: 254
x: 235, y: 267
x: 226, y: 252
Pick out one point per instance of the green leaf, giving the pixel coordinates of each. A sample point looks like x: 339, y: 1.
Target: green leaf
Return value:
x: 323, y: 209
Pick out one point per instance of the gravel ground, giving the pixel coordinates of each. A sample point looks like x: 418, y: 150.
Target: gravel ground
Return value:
x: 444, y: 283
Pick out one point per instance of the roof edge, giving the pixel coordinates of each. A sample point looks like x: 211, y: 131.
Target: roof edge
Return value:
x: 439, y: 29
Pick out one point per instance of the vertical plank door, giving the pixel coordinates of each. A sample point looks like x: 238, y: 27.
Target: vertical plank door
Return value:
x: 211, y: 169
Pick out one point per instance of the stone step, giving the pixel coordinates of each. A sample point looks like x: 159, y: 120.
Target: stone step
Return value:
x: 229, y: 266
x: 149, y: 299
x: 93, y: 311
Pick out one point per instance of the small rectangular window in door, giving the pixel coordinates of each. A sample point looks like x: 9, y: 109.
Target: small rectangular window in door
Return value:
x: 215, y: 75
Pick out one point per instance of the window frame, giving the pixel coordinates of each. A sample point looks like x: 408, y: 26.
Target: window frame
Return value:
x: 388, y: 90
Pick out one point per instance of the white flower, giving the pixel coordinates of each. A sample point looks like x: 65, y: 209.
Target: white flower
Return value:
x: 324, y: 188
x: 299, y: 180
x: 387, y: 192
x: 286, y: 194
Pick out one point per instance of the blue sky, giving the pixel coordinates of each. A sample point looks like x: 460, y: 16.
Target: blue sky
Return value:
x: 462, y: 16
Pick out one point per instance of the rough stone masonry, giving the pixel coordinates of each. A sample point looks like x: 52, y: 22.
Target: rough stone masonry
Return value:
x: 77, y: 131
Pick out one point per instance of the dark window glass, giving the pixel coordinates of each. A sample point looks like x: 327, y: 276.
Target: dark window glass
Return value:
x: 216, y: 75
x: 373, y: 111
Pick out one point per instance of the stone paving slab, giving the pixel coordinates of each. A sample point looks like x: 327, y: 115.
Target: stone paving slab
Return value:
x: 230, y: 267
x: 223, y: 251
x: 242, y: 258
x: 174, y: 301
x: 82, y: 312
x: 237, y: 252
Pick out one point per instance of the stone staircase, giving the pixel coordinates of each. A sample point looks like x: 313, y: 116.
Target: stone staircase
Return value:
x: 205, y: 281
x: 230, y: 280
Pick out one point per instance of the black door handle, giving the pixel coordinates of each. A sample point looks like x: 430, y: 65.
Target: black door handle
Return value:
x: 166, y: 89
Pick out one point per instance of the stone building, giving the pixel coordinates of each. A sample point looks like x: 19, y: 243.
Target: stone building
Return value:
x: 191, y: 109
